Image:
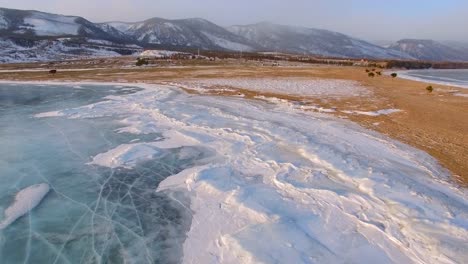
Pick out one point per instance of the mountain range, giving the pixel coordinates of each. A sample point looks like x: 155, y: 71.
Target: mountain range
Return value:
x: 430, y: 50
x: 27, y: 35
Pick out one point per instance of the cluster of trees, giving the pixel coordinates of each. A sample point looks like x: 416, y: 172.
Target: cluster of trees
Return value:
x: 142, y: 61
x: 416, y: 65
x: 372, y: 73
x: 408, y: 64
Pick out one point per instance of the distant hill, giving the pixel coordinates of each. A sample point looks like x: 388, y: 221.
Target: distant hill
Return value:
x: 40, y: 25
x: 430, y: 50
x: 184, y: 33
x: 37, y: 36
x: 273, y: 37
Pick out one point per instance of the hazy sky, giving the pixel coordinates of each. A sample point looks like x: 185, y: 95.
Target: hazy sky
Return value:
x: 368, y: 19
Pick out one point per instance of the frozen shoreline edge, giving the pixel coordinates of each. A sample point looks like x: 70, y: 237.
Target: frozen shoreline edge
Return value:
x: 404, y: 75
x: 151, y: 86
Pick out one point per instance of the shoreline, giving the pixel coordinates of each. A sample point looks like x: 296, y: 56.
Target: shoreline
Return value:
x: 404, y: 75
x: 439, y: 133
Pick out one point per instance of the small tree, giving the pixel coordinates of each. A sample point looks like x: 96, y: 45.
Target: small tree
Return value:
x: 379, y: 73
x: 371, y: 74
x: 430, y: 88
x: 141, y: 62
x: 394, y: 75
x: 367, y: 70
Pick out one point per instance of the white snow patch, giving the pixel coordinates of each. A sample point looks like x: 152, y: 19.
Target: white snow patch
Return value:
x: 175, y: 139
x: 374, y: 113
x: 127, y: 155
x: 49, y: 114
x: 25, y: 200
x: 289, y: 86
x: 160, y: 53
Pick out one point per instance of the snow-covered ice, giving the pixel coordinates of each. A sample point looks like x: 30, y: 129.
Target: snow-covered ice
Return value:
x: 452, y: 77
x: 127, y: 156
x: 25, y: 201
x: 288, y: 186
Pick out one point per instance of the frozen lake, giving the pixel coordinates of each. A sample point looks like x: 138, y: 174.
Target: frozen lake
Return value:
x: 458, y: 78
x: 92, y: 214
x: 130, y: 175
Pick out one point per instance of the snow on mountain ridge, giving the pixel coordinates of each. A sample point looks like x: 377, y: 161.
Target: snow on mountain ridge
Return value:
x: 52, y: 25
x: 191, y: 32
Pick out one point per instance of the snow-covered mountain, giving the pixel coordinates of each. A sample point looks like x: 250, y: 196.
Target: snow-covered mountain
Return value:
x: 431, y: 50
x: 40, y: 25
x: 38, y: 36
x: 184, y: 33
x: 273, y: 37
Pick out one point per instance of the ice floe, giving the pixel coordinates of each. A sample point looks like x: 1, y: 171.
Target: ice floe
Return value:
x: 25, y: 200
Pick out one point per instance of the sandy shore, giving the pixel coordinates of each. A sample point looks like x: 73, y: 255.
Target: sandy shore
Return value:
x: 436, y: 123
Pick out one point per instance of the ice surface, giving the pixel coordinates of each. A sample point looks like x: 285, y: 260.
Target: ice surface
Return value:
x: 25, y: 201
x: 93, y: 214
x: 288, y: 186
x: 456, y: 77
